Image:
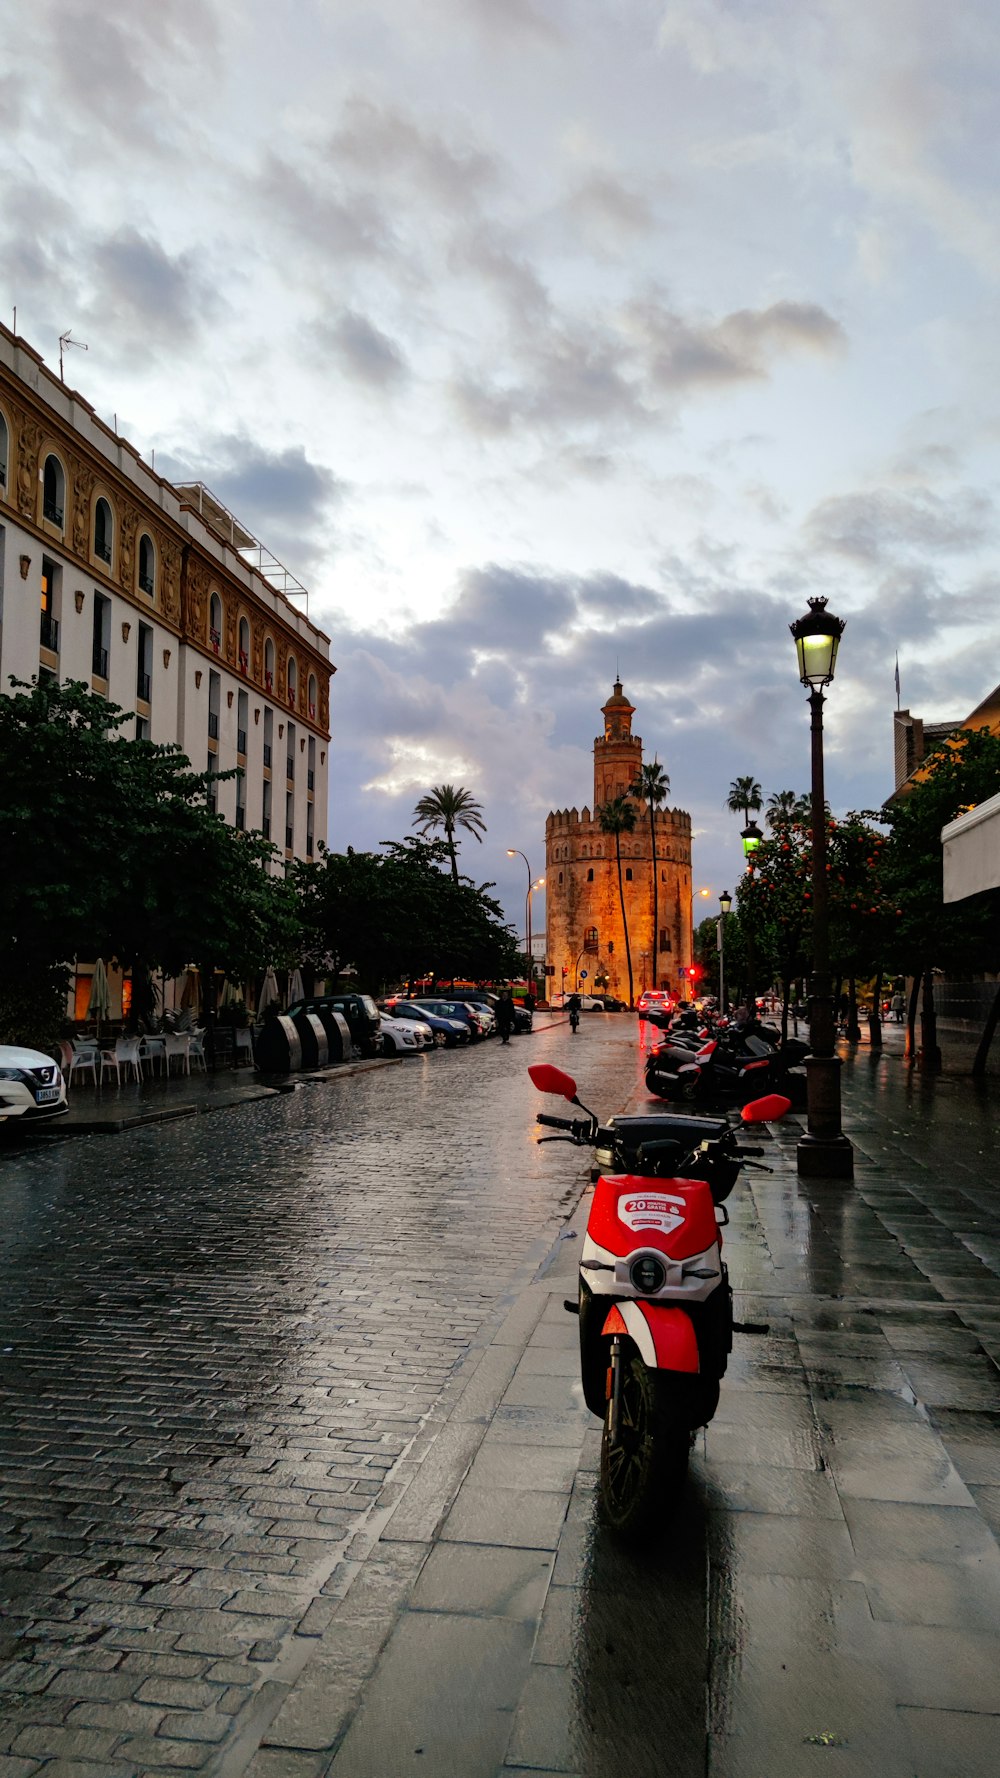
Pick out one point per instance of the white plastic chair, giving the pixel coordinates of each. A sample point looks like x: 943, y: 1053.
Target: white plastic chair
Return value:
x: 85, y: 1058
x: 129, y: 1058
x: 109, y: 1061
x: 177, y: 1045
x: 244, y: 1044
x: 196, y: 1051
x: 152, y: 1049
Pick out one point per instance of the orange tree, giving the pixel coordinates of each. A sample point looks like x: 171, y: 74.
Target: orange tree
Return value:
x: 864, y: 919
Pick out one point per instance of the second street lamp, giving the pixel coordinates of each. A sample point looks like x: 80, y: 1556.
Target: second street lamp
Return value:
x: 512, y: 852
x: 824, y: 1151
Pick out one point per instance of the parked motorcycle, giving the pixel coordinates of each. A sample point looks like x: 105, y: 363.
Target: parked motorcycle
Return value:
x: 725, y: 1068
x: 655, y: 1304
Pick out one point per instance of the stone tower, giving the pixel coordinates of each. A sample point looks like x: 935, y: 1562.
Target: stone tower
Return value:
x: 584, y: 929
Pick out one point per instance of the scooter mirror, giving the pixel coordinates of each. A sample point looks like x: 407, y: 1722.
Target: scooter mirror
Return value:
x: 767, y: 1110
x: 552, y: 1080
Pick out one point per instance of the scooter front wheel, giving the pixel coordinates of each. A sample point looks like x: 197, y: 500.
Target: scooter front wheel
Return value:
x: 645, y: 1462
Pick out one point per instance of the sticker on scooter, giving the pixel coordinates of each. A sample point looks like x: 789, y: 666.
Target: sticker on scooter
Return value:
x: 652, y: 1210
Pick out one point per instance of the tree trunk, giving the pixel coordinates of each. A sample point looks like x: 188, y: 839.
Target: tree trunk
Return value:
x: 656, y: 898
x: 930, y: 1055
x: 875, y: 1016
x: 621, y: 898
x: 992, y: 1019
x: 450, y: 835
x: 853, y: 1028
x: 911, y: 1018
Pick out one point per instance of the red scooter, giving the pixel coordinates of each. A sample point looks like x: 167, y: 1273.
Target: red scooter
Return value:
x: 655, y: 1304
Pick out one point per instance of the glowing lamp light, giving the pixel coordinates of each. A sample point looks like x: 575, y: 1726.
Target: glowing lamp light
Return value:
x: 751, y: 837
x: 725, y: 901
x: 817, y: 638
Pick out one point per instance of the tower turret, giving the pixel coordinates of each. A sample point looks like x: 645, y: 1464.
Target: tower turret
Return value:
x: 617, y: 753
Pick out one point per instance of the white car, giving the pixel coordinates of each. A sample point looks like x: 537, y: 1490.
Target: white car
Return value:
x: 31, y: 1084
x: 588, y: 1002
x: 405, y: 1037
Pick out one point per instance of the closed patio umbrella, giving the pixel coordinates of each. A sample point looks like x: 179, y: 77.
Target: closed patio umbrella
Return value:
x: 231, y: 995
x: 191, y: 991
x: 269, y: 995
x: 99, y: 1004
x: 296, y: 991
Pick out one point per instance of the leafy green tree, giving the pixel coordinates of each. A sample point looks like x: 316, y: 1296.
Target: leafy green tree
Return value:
x: 785, y: 807
x: 616, y: 817
x: 652, y: 786
x: 449, y: 806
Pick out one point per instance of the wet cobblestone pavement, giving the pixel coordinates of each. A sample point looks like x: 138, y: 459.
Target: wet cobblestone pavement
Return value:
x: 218, y: 1340
x: 298, y: 1481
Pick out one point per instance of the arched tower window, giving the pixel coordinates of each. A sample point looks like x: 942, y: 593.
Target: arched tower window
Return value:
x: 53, y: 490
x: 103, y: 530
x: 590, y: 876
x: 312, y: 694
x: 244, y: 645
x: 215, y: 622
x: 628, y: 875
x: 293, y: 680
x: 147, y: 565
x: 268, y: 665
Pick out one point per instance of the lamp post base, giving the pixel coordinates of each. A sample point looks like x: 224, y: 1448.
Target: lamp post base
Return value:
x: 825, y: 1157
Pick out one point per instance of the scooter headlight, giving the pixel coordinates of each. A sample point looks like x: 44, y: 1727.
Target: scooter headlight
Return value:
x: 648, y: 1274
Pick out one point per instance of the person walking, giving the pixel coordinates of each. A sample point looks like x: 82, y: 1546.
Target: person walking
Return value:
x: 505, y: 1016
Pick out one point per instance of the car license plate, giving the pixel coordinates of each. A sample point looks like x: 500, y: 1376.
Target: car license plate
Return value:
x: 45, y: 1095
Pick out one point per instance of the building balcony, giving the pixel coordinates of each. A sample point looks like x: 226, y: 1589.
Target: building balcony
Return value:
x: 310, y: 779
x: 265, y: 827
x: 143, y: 686
x: 99, y: 663
x: 244, y: 663
x: 49, y: 633
x: 290, y: 766
x: 147, y: 584
x: 268, y: 681
x: 213, y: 725
x: 288, y: 839
x: 241, y: 740
x: 52, y: 512
x: 103, y: 552
x: 267, y: 753
x: 241, y: 817
x: 215, y: 637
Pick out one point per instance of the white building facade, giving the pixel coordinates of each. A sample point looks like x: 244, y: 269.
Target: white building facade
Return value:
x: 143, y: 590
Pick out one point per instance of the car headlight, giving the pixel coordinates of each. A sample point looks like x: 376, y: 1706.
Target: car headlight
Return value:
x: 648, y: 1274
x: 11, y: 1074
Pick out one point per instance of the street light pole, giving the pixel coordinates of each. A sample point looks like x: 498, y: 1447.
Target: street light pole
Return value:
x: 824, y: 1152
x: 725, y: 903
x: 512, y: 852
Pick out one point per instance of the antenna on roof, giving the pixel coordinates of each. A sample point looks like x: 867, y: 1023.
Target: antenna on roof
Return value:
x: 66, y: 339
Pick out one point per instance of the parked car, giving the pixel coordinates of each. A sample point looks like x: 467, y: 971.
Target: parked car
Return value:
x: 31, y: 1084
x: 362, y: 1015
x: 478, y: 1022
x: 405, y: 1037
x: 660, y: 998
x: 588, y: 1002
x: 522, y: 1015
x: 451, y: 1032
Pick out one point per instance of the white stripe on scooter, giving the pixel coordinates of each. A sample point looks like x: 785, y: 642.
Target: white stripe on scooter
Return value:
x: 638, y: 1328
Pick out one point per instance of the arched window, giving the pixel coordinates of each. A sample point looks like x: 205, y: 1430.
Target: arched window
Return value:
x: 102, y: 530
x: 147, y: 565
x: 53, y: 490
x: 293, y: 681
x: 312, y: 694
x: 268, y: 665
x: 628, y: 876
x: 590, y: 876
x: 4, y: 451
x: 560, y: 876
x: 244, y: 646
x: 215, y: 622
x: 590, y: 942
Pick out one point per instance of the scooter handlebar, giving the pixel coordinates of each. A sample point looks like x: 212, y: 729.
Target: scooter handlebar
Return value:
x: 556, y: 1123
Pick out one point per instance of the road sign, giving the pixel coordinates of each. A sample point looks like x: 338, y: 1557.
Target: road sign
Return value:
x: 583, y: 974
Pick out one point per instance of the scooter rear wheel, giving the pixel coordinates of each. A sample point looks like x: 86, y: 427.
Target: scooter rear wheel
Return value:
x: 646, y: 1463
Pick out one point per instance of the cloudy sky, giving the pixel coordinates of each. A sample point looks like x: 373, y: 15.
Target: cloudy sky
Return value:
x: 542, y: 338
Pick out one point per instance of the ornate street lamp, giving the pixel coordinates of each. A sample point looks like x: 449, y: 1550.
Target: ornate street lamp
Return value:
x: 512, y: 852
x: 725, y: 903
x: 751, y: 837
x: 824, y: 1151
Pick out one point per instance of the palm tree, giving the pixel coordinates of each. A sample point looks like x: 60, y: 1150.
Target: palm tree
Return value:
x: 783, y: 807
x: 449, y: 806
x: 744, y: 798
x: 652, y: 786
x: 618, y: 816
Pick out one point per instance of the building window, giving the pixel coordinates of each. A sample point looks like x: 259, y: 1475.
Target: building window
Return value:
x: 560, y: 876
x: 289, y: 822
x: 312, y: 696
x: 215, y: 622
x: 310, y: 817
x: 49, y: 632
x: 293, y: 681
x: 147, y: 565
x: 242, y: 719
x: 665, y: 944
x: 102, y: 636
x: 144, y: 664
x: 142, y: 728
x: 628, y: 876
x: 241, y: 801
x: 211, y: 788
x: 590, y: 876
x: 102, y: 530
x: 244, y: 646
x: 53, y: 490
x: 290, y: 751
x: 268, y: 733
x: 590, y: 940
x: 214, y: 699
x: 311, y: 764
x: 4, y: 449
x: 269, y: 665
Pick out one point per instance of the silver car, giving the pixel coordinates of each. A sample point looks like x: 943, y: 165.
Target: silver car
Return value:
x: 31, y: 1084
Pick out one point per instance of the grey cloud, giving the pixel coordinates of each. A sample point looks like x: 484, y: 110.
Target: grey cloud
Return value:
x: 341, y: 224
x: 876, y: 525
x: 147, y: 293
x: 382, y: 141
x: 281, y: 495
x: 112, y: 61
x: 683, y: 354
x: 503, y: 271
x: 364, y: 351
x: 606, y: 208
